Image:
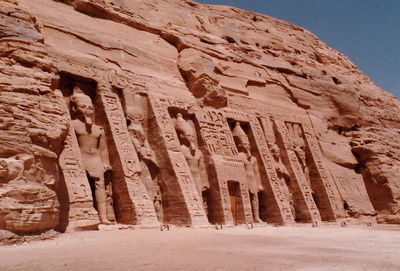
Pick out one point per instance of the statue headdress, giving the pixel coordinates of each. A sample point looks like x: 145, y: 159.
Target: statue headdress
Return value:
x: 238, y: 132
x: 181, y: 125
x: 79, y: 94
x: 133, y: 108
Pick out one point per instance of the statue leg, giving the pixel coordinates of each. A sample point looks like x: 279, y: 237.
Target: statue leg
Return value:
x: 255, y: 207
x: 292, y: 207
x: 101, y: 199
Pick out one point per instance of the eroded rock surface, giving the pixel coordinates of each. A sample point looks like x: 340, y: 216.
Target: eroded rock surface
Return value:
x: 307, y: 111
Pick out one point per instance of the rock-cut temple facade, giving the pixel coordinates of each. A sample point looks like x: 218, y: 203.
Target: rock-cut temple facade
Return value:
x: 154, y: 113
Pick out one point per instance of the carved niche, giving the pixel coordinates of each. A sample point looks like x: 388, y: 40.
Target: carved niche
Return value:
x: 273, y: 204
x: 99, y: 161
x: 84, y: 160
x: 307, y: 164
x: 290, y: 173
x: 136, y: 112
x: 182, y: 202
x: 230, y: 201
x: 134, y: 205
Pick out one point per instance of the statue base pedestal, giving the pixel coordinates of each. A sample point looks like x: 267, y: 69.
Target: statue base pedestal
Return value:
x: 82, y: 225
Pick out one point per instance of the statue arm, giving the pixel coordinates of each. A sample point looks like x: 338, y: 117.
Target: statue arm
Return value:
x: 203, y: 172
x: 135, y: 142
x: 104, y: 151
x: 285, y: 172
x: 257, y: 174
x: 150, y: 155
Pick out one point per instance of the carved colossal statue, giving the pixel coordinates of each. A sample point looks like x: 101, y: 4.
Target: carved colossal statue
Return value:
x: 299, y: 147
x: 148, y: 164
x: 251, y: 166
x: 301, y: 156
x: 283, y: 175
x: 193, y: 155
x: 93, y: 147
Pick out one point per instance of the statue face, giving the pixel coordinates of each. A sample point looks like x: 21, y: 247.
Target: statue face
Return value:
x: 244, y: 142
x: 85, y: 107
x: 301, y: 153
x: 187, y: 136
x: 140, y: 135
x: 275, y: 151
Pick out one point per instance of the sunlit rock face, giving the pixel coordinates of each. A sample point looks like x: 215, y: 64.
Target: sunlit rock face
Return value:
x: 194, y: 114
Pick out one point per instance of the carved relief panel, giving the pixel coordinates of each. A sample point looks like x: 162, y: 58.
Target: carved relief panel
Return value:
x: 133, y: 202
x: 184, y: 202
x: 303, y: 202
x: 227, y: 168
x: 308, y: 167
x: 136, y: 111
x: 83, y: 161
x: 274, y: 205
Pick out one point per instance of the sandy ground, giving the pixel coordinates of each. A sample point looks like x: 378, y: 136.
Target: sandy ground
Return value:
x: 262, y: 248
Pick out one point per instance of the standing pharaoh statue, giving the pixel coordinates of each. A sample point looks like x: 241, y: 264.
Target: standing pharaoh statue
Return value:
x: 148, y: 164
x: 299, y: 148
x: 283, y: 175
x: 251, y: 167
x: 93, y: 147
x: 150, y: 171
x: 301, y: 156
x: 193, y: 155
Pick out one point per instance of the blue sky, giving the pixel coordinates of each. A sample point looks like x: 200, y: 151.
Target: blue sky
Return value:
x: 366, y: 31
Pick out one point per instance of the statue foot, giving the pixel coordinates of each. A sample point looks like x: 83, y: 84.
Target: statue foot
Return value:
x: 105, y: 221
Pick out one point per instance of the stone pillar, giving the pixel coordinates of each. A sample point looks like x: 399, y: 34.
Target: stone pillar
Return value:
x: 133, y: 204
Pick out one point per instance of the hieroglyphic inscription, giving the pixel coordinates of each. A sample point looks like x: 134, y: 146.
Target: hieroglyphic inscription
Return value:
x: 144, y: 209
x: 164, y: 120
x: 184, y: 177
x: 231, y: 161
x: 244, y: 190
x: 117, y: 122
x: 297, y: 171
x: 216, y: 132
x: 326, y: 178
x: 74, y: 174
x: 175, y: 102
x: 226, y: 204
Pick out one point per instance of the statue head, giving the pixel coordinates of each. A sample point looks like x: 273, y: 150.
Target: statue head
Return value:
x: 241, y: 138
x: 300, y: 152
x: 185, y: 131
x: 82, y: 105
x: 136, y: 128
x: 275, y: 151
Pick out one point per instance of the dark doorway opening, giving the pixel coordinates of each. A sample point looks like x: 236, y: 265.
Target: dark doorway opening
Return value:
x: 234, y: 196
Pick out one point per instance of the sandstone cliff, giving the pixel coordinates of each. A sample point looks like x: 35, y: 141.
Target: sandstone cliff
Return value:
x: 214, y: 58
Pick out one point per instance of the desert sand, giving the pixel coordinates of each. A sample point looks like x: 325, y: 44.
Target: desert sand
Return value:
x: 262, y: 248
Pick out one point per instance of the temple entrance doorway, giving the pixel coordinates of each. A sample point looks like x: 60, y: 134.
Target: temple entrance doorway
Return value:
x: 234, y: 196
